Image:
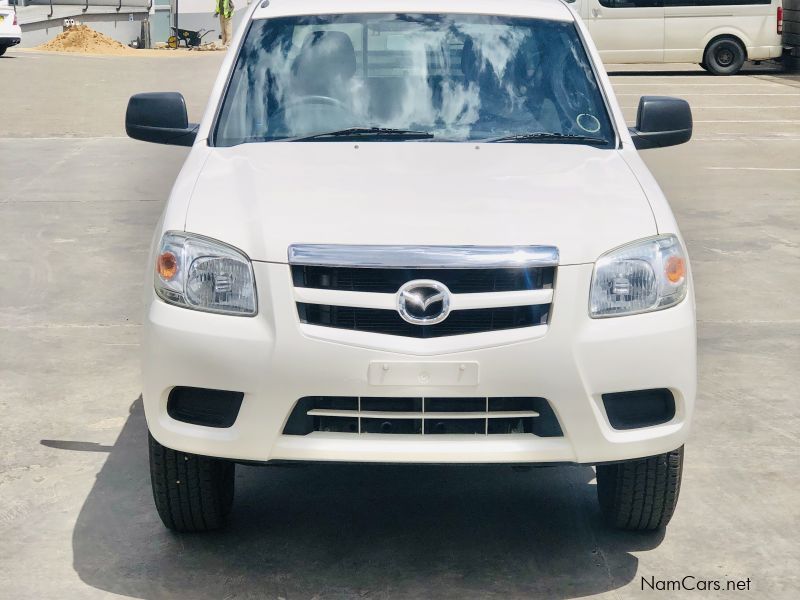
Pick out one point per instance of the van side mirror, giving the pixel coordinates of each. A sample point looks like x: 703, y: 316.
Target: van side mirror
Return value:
x: 662, y: 121
x: 159, y: 117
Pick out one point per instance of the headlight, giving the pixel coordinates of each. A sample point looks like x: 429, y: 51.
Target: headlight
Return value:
x: 643, y: 276
x: 203, y: 274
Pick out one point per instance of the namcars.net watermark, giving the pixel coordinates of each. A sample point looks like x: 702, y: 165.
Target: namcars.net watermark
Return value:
x: 690, y: 583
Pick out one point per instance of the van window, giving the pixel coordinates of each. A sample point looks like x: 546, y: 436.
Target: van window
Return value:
x: 714, y: 2
x: 632, y: 3
x: 456, y: 77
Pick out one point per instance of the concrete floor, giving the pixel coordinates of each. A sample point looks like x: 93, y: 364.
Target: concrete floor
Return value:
x: 77, y: 206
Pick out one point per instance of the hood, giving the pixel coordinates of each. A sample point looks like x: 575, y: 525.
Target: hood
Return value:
x: 262, y: 198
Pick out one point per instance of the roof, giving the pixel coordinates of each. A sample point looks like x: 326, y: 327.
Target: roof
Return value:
x: 554, y: 10
x: 27, y: 15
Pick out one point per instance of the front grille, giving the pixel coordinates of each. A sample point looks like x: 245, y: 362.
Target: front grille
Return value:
x: 388, y: 281
x: 423, y: 416
x: 389, y: 322
x: 423, y: 291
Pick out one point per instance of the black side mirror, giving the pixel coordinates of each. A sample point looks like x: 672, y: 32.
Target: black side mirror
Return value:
x: 160, y: 118
x: 662, y: 122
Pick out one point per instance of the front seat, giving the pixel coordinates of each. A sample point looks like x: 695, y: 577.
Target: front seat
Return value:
x: 325, y: 65
x: 479, y: 70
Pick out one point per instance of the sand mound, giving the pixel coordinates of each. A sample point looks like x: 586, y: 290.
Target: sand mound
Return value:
x: 209, y: 47
x: 82, y: 38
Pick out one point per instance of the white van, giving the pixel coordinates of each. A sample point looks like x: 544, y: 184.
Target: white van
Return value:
x: 717, y: 34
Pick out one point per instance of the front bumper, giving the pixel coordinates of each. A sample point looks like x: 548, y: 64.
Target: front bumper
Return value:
x: 275, y: 360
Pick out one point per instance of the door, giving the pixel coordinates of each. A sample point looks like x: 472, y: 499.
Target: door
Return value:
x: 627, y: 31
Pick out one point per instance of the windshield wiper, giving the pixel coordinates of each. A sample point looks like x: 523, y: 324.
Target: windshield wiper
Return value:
x: 360, y: 133
x: 543, y: 136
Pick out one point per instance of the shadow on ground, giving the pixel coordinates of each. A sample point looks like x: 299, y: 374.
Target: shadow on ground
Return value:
x: 337, y: 531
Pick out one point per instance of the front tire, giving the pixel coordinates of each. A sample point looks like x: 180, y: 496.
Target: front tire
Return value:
x: 641, y: 494
x: 192, y: 493
x: 724, y: 56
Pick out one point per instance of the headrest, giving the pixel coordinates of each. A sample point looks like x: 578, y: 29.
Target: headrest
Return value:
x: 325, y: 56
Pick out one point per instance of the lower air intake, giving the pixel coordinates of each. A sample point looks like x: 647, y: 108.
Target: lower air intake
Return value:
x: 642, y: 408
x: 423, y: 416
x: 199, y: 406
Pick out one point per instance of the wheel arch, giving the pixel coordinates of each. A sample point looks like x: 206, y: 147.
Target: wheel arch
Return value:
x: 727, y: 32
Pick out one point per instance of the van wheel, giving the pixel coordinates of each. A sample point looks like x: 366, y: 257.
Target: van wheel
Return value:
x: 3, y: 50
x: 724, y: 56
x: 192, y: 493
x: 640, y: 495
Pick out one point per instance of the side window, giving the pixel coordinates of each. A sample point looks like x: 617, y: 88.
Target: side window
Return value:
x: 714, y: 2
x: 633, y: 3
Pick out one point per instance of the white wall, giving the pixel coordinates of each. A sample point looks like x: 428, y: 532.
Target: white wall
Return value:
x: 199, y: 14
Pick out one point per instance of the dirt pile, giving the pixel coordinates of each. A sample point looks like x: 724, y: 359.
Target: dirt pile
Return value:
x: 84, y: 39
x: 209, y: 47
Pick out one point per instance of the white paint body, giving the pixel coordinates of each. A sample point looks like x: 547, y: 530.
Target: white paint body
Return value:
x: 263, y: 197
x: 679, y: 34
x: 10, y: 33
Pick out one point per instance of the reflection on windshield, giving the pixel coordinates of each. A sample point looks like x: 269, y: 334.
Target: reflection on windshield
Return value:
x: 458, y: 77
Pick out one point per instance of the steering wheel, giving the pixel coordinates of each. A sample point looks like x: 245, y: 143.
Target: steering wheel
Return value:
x: 312, y: 99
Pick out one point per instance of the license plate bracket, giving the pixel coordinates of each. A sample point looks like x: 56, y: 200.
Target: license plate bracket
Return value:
x: 462, y: 373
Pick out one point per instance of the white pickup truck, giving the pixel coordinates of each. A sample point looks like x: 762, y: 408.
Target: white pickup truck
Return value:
x: 416, y: 232
x: 10, y: 31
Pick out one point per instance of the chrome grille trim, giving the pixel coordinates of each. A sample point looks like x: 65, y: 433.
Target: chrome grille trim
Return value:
x: 428, y: 257
x: 376, y: 414
x: 389, y: 301
x: 410, y: 415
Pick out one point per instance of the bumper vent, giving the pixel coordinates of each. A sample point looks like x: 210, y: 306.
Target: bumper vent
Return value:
x: 199, y: 406
x: 642, y: 408
x: 423, y: 416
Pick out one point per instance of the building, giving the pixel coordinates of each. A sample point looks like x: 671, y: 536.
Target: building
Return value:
x: 144, y: 21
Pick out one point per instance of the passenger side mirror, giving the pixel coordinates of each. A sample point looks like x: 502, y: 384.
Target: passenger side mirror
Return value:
x: 662, y: 122
x: 160, y: 118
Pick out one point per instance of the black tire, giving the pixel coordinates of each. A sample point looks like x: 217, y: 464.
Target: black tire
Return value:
x: 192, y: 492
x: 641, y: 495
x: 724, y: 56
x: 3, y: 50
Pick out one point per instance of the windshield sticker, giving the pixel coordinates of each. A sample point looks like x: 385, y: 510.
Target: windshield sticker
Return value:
x: 588, y: 123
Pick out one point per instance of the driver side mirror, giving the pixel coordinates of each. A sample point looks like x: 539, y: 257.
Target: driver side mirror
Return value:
x: 661, y: 121
x: 160, y: 118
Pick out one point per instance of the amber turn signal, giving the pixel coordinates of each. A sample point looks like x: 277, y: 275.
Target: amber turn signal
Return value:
x: 167, y: 265
x: 675, y: 269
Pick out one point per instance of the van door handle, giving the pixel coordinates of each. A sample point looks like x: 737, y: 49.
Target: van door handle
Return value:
x: 595, y: 12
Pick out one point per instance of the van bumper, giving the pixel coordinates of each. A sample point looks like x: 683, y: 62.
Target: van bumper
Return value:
x: 764, y: 52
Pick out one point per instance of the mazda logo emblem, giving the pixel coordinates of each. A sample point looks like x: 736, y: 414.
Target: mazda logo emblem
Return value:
x: 423, y: 302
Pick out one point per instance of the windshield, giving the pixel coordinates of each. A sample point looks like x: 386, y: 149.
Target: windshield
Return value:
x: 412, y: 77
